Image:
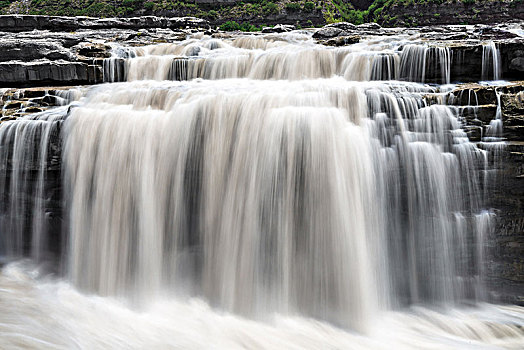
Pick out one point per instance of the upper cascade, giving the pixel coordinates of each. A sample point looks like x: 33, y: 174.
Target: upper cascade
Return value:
x: 295, y: 56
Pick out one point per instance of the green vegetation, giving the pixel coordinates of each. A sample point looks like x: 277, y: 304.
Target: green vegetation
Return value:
x: 242, y: 12
x: 108, y: 8
x: 403, y: 12
x: 5, y: 4
x: 293, y: 7
x: 230, y: 26
x: 309, y: 6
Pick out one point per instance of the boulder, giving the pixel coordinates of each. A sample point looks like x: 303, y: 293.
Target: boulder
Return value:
x: 279, y: 28
x: 369, y: 26
x: 330, y: 32
x: 342, y: 25
x: 343, y: 40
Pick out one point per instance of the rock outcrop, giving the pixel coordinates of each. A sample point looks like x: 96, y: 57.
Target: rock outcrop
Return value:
x: 71, y: 50
x: 45, y: 72
x: 467, y: 47
x: 505, y: 265
x: 22, y: 23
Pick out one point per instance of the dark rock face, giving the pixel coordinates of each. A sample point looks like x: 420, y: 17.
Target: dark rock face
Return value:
x: 517, y: 63
x: 506, y: 247
x: 505, y: 265
x: 41, y: 73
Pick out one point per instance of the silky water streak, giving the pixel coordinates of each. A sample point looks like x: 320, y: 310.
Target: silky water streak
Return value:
x: 268, y: 196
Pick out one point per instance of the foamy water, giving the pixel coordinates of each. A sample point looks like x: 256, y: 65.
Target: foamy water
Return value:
x: 42, y: 313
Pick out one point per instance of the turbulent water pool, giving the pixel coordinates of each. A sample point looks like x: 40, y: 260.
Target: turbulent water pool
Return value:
x: 255, y: 192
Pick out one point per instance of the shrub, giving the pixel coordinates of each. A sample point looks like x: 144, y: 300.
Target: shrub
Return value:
x: 230, y: 26
x: 149, y: 6
x: 212, y: 14
x: 309, y: 6
x: 245, y: 27
x: 356, y: 17
x: 292, y: 7
x: 269, y: 8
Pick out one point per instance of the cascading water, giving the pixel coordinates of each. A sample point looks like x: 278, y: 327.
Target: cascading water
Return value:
x: 268, y: 176
x: 257, y: 58
x: 490, y: 61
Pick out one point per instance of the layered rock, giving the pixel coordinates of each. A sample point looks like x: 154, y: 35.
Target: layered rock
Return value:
x: 30, y: 57
x: 467, y: 47
x: 505, y: 266
x: 15, y: 103
x: 45, y: 72
x: 22, y: 23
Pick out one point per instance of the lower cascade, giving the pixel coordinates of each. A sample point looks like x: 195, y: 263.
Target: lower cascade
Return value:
x: 246, y: 186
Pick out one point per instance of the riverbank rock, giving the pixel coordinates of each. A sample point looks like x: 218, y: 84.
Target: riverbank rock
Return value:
x: 279, y: 28
x: 15, y: 103
x: 29, y: 50
x: 45, y: 72
x: 22, y: 23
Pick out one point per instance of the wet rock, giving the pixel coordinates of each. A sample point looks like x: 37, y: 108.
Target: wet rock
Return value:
x: 513, y: 114
x: 517, y: 64
x: 369, y: 26
x: 94, y: 50
x: 493, y: 33
x: 330, y: 32
x: 478, y: 107
x: 29, y: 50
x: 16, y: 73
x: 33, y: 109
x: 474, y: 94
x: 8, y: 118
x: 13, y: 105
x: 483, y: 113
x: 343, y: 40
x: 474, y: 133
x: 279, y: 28
x: 33, y: 93
x: 343, y: 26
x: 505, y: 270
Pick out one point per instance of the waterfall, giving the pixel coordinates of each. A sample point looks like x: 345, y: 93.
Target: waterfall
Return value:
x: 316, y: 197
x: 29, y: 165
x: 491, y: 61
x: 263, y: 58
x: 262, y: 175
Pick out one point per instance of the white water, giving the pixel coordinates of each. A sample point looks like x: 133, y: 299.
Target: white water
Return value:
x: 491, y: 62
x: 248, y: 211
x: 290, y: 56
x: 47, y: 314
